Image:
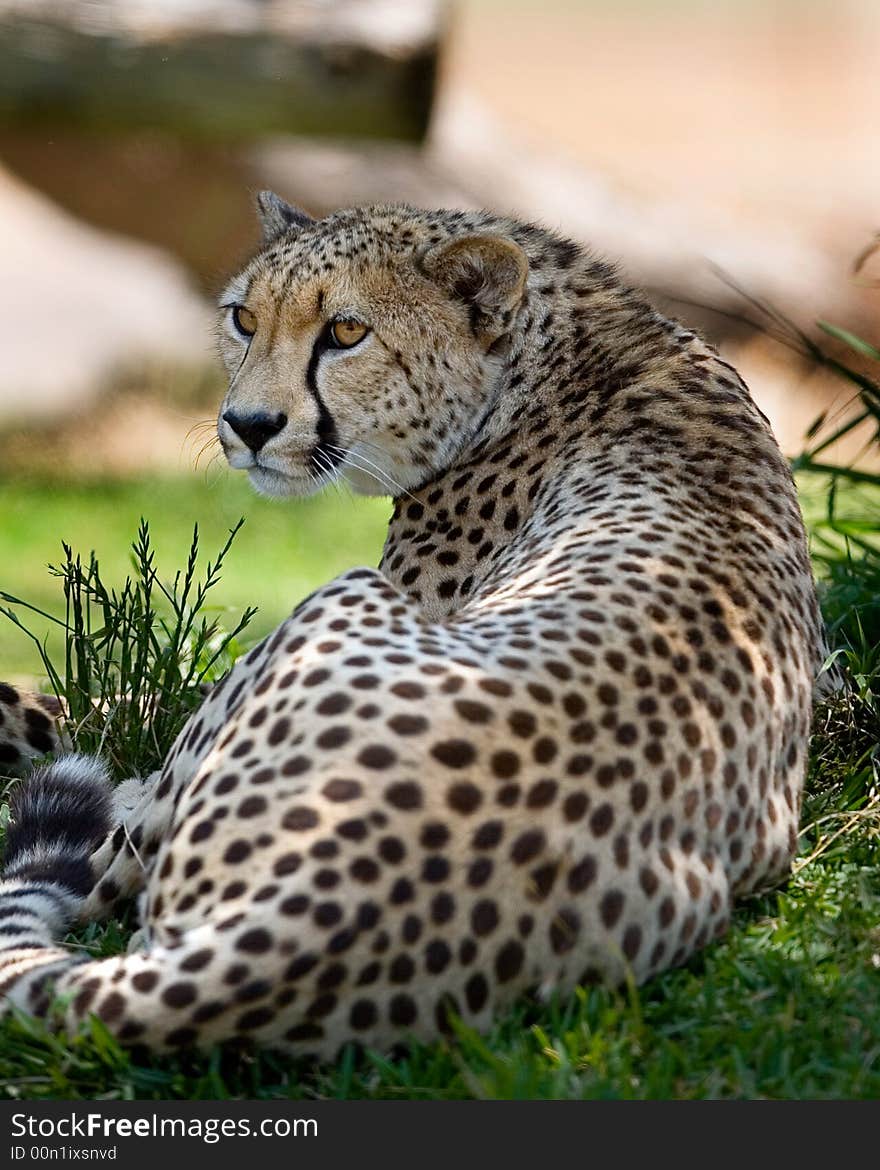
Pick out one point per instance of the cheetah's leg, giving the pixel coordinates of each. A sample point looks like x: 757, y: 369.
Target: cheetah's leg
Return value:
x: 118, y: 865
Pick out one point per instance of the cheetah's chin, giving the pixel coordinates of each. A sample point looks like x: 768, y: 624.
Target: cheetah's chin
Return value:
x: 278, y: 485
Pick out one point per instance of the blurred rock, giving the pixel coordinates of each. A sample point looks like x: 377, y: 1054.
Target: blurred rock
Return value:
x: 192, y: 200
x: 695, y: 265
x: 677, y: 251
x: 192, y: 197
x: 218, y: 70
x: 82, y: 306
x: 135, y: 114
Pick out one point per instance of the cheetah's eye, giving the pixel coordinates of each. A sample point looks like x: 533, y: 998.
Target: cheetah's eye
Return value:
x: 345, y: 334
x: 244, y: 320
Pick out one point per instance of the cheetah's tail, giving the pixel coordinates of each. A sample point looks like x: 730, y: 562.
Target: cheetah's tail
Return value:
x: 58, y: 816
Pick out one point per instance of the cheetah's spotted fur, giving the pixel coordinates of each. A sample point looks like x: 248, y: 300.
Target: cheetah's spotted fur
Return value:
x: 549, y: 740
x: 28, y: 728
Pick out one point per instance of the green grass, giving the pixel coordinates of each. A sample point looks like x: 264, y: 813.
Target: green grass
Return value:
x: 284, y: 550
x: 137, y: 655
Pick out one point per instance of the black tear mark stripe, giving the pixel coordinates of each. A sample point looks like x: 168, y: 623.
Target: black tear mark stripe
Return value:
x: 326, y: 446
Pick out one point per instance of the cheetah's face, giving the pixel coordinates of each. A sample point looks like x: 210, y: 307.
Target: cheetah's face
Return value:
x: 357, y: 352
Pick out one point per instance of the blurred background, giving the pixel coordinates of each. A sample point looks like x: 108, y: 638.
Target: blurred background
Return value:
x: 723, y: 152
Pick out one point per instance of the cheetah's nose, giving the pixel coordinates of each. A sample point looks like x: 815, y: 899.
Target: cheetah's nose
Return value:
x: 256, y: 429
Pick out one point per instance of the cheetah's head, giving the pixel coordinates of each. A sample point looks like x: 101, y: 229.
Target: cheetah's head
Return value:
x: 362, y: 346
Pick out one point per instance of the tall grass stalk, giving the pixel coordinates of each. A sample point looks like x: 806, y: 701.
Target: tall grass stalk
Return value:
x: 136, y: 658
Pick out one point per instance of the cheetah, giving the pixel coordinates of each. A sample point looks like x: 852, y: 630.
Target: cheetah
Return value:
x: 548, y: 741
x: 29, y: 728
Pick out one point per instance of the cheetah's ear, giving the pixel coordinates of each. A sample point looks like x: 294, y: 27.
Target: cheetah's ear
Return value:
x: 488, y: 273
x: 277, y: 217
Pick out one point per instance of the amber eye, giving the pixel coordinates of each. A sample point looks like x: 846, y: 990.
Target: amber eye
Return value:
x: 345, y: 334
x: 244, y: 320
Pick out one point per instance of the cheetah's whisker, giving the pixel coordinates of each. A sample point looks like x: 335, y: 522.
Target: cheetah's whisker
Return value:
x: 379, y: 473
